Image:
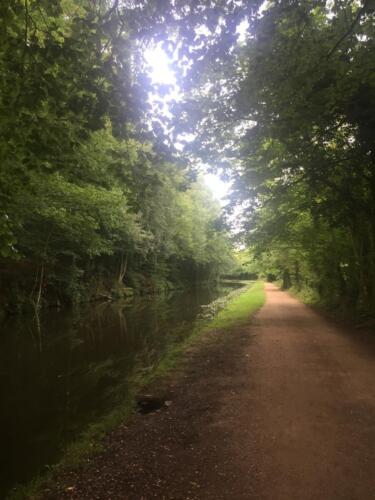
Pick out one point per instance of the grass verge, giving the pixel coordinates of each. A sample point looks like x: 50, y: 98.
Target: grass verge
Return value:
x: 239, y: 309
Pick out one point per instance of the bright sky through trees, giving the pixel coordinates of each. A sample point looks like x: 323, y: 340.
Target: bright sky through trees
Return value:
x: 161, y: 72
x: 219, y: 188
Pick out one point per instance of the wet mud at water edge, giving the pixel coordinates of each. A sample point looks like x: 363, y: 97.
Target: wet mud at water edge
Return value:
x: 56, y: 379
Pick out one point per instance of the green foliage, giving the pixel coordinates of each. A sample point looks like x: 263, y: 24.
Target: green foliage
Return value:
x: 290, y: 112
x: 244, y: 266
x: 86, y: 190
x: 310, y: 155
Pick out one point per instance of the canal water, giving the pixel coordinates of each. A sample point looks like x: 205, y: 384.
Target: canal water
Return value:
x: 61, y: 373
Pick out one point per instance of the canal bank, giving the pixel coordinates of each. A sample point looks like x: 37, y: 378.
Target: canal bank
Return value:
x: 117, y: 378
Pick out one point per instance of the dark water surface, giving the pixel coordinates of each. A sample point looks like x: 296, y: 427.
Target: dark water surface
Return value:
x: 61, y: 374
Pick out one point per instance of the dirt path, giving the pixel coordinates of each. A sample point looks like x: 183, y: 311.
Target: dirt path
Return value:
x: 282, y: 409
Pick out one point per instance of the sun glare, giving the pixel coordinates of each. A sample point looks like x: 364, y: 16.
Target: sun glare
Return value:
x: 159, y: 64
x: 218, y: 187
x: 161, y: 73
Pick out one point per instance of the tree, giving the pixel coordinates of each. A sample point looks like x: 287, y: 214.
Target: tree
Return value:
x: 292, y: 123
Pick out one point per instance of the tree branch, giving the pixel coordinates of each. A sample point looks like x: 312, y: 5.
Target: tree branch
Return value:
x: 350, y: 30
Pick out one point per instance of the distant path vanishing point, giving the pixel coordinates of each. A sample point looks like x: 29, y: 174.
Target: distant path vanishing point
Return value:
x: 281, y: 409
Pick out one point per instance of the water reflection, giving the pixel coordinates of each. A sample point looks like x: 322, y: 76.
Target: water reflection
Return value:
x: 60, y: 371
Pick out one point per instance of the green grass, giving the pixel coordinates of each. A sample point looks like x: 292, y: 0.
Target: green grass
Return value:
x: 237, y: 311
x: 240, y: 309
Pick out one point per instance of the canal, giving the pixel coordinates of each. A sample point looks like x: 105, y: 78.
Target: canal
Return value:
x: 59, y: 374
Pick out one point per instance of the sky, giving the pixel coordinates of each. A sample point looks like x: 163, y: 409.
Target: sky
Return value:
x: 219, y: 188
x: 161, y: 73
